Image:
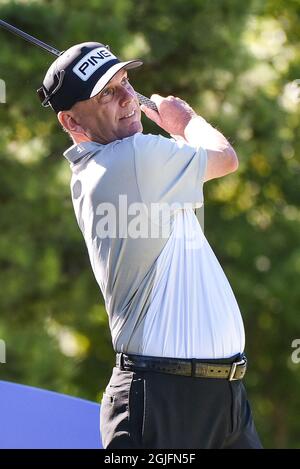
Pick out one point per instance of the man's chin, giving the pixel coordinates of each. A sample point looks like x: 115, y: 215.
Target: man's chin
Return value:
x: 134, y: 128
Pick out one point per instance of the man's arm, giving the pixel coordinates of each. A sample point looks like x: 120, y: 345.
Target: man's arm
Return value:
x: 178, y: 119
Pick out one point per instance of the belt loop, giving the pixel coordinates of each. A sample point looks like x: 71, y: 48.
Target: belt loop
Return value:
x: 193, y: 367
x: 120, y: 362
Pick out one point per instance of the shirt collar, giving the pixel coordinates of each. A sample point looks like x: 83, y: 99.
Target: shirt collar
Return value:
x: 77, y: 151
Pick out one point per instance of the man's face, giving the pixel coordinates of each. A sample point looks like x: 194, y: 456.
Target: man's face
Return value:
x: 112, y: 114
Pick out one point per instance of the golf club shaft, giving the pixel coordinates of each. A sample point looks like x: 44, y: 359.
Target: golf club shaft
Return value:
x: 28, y: 38
x: 33, y: 40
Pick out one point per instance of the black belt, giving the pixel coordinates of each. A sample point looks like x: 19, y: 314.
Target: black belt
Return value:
x: 184, y: 367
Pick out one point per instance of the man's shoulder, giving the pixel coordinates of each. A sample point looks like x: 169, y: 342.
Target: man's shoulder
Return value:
x: 150, y: 142
x: 136, y: 144
x: 139, y: 137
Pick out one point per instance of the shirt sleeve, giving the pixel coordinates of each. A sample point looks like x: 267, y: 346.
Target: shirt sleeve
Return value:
x: 169, y: 171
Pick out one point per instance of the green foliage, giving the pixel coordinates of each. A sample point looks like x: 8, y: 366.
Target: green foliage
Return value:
x: 233, y: 62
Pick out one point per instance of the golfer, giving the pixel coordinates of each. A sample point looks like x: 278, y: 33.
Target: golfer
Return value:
x: 175, y: 323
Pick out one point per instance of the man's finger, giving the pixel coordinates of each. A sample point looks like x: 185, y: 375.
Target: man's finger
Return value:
x: 151, y: 114
x: 157, y: 99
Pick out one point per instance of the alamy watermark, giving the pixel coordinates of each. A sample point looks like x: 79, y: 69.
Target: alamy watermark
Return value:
x: 2, y: 351
x: 148, y: 221
x: 2, y: 91
x: 295, y: 357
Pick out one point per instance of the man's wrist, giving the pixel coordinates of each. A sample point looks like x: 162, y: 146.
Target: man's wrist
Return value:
x: 193, y: 132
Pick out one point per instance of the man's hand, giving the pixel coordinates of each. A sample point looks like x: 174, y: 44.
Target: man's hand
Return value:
x: 180, y: 120
x: 173, y: 114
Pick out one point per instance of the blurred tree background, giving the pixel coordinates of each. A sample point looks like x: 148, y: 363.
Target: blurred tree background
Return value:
x: 236, y: 63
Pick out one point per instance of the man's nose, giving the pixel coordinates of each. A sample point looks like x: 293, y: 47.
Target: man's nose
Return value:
x: 127, y: 95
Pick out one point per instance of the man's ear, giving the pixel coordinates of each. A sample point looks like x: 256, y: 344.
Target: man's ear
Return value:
x: 68, y: 121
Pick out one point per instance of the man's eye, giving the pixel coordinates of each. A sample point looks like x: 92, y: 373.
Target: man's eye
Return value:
x: 125, y: 81
x: 106, y: 92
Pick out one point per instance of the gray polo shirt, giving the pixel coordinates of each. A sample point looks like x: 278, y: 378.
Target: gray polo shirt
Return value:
x: 134, y: 200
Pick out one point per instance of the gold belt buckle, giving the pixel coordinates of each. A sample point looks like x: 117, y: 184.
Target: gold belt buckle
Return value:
x: 233, y: 369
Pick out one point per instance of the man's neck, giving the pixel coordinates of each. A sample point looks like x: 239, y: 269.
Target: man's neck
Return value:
x: 80, y: 138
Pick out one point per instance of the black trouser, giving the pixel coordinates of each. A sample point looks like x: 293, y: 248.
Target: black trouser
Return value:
x: 157, y: 410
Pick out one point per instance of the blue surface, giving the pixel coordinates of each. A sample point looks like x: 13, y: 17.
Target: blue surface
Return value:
x: 35, y: 418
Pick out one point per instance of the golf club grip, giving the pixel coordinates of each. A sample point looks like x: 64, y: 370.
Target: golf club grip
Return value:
x: 146, y: 101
